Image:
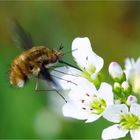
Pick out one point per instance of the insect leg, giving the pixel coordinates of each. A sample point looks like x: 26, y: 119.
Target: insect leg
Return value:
x: 40, y: 90
x: 44, y: 73
x: 66, y: 73
x: 36, y: 85
x: 68, y: 81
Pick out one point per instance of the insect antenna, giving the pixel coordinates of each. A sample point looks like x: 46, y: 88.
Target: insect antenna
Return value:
x: 61, y: 47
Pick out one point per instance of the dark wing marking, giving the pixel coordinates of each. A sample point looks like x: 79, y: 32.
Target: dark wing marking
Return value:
x: 45, y: 74
x: 21, y: 37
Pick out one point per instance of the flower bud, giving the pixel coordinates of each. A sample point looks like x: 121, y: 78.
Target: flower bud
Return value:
x: 131, y: 99
x: 126, y: 88
x: 117, y: 101
x: 117, y: 90
x: 117, y: 87
x: 116, y: 72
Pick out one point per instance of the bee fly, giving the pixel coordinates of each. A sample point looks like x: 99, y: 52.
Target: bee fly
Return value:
x: 34, y: 61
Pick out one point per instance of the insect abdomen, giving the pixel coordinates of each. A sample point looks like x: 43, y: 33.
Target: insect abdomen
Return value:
x: 18, y: 73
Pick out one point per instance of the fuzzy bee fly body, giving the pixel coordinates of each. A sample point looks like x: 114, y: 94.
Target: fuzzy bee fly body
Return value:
x: 30, y: 63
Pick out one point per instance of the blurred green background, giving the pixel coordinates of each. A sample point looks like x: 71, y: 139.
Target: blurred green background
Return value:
x: 114, y: 31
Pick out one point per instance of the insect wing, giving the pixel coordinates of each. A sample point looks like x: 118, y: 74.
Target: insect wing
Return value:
x: 21, y: 37
x: 45, y: 74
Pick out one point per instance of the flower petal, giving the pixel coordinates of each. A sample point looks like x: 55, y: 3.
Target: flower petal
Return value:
x: 84, y: 56
x: 132, y: 70
x: 129, y: 67
x: 105, y: 92
x: 93, y: 117
x: 138, y: 64
x: 135, y: 134
x: 113, y: 132
x: 73, y: 110
x: 84, y: 90
x: 66, y: 77
x: 129, y: 63
x: 82, y: 49
x: 135, y: 109
x: 113, y: 113
x: 97, y: 61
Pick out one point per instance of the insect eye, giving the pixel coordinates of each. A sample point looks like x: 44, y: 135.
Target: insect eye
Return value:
x: 55, y: 58
x: 46, y: 62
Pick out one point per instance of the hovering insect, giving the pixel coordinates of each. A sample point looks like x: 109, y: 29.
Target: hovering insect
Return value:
x: 34, y: 61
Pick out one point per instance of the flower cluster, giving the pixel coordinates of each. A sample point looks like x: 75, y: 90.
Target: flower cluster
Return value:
x: 90, y: 98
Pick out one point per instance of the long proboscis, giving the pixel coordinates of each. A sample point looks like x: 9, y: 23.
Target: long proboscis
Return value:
x: 70, y: 51
x: 66, y: 63
x: 63, y: 62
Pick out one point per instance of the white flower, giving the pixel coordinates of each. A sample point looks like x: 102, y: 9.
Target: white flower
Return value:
x: 132, y: 71
x: 88, y: 61
x: 127, y: 121
x: 87, y: 103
